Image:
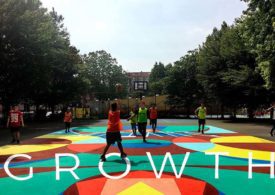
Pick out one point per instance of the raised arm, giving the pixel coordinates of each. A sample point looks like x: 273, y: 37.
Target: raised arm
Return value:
x: 8, y: 121
x: 118, y: 103
x: 132, y: 116
x: 269, y: 109
x: 196, y: 111
x: 22, y: 120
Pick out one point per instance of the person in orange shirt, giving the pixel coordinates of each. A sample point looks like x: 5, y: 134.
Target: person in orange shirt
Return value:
x: 15, y: 122
x: 68, y: 118
x: 113, y: 131
x: 153, y: 117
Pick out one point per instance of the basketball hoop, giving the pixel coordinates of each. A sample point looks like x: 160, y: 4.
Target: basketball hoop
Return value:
x: 140, y: 85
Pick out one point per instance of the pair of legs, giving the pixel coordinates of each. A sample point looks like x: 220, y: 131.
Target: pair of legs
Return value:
x: 154, y: 124
x: 201, y: 124
x: 111, y: 138
x: 15, y: 133
x: 67, y: 127
x: 142, y: 130
x: 134, y: 128
x: 273, y: 128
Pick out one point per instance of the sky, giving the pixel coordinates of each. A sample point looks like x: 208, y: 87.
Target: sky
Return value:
x: 139, y: 33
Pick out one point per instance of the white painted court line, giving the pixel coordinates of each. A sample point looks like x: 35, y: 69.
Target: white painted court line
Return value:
x: 129, y: 136
x: 169, y: 134
x: 156, y: 135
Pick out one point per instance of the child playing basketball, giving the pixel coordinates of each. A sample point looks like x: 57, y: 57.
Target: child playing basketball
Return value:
x: 133, y: 121
x: 113, y: 131
x: 68, y: 117
x: 15, y: 122
x: 153, y: 117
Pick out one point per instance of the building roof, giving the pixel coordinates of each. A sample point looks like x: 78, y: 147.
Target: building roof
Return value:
x: 138, y: 74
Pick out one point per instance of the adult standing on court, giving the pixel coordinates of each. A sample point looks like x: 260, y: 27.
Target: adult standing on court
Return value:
x: 272, y: 109
x: 201, y: 114
x: 15, y: 122
x: 153, y: 117
x: 68, y: 118
x: 142, y: 120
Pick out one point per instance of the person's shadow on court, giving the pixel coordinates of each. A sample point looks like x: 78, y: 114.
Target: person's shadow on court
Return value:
x: 133, y: 163
x: 153, y: 143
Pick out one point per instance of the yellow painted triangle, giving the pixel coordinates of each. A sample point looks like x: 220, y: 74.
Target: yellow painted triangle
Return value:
x: 140, y: 188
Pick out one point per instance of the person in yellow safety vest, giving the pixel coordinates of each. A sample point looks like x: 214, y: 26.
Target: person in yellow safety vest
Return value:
x: 201, y: 112
x: 142, y: 120
x: 133, y: 121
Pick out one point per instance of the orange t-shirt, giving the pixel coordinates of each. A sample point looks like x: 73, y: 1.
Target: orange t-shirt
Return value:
x: 153, y: 113
x: 68, y: 117
x: 15, y: 118
x: 114, y: 123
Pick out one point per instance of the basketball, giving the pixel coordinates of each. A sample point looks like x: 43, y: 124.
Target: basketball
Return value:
x: 119, y: 88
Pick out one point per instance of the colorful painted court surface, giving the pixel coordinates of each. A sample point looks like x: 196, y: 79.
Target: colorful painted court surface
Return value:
x: 88, y: 142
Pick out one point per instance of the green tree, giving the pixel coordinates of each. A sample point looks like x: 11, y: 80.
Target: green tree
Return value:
x: 63, y: 60
x: 103, y: 73
x: 258, y: 25
x: 36, y: 59
x: 181, y: 84
x: 156, y: 79
x: 246, y: 85
x: 228, y: 72
x: 210, y: 63
x: 23, y: 53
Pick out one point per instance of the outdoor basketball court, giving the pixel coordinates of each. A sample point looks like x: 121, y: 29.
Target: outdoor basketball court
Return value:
x: 174, y: 136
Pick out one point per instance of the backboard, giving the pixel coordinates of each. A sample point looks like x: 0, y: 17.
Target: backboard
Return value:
x: 140, y: 85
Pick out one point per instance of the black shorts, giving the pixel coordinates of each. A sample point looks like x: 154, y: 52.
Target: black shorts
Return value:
x: 134, y: 126
x: 15, y: 129
x: 142, y: 126
x: 112, y: 137
x: 201, y: 121
x: 153, y: 121
x: 67, y: 125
